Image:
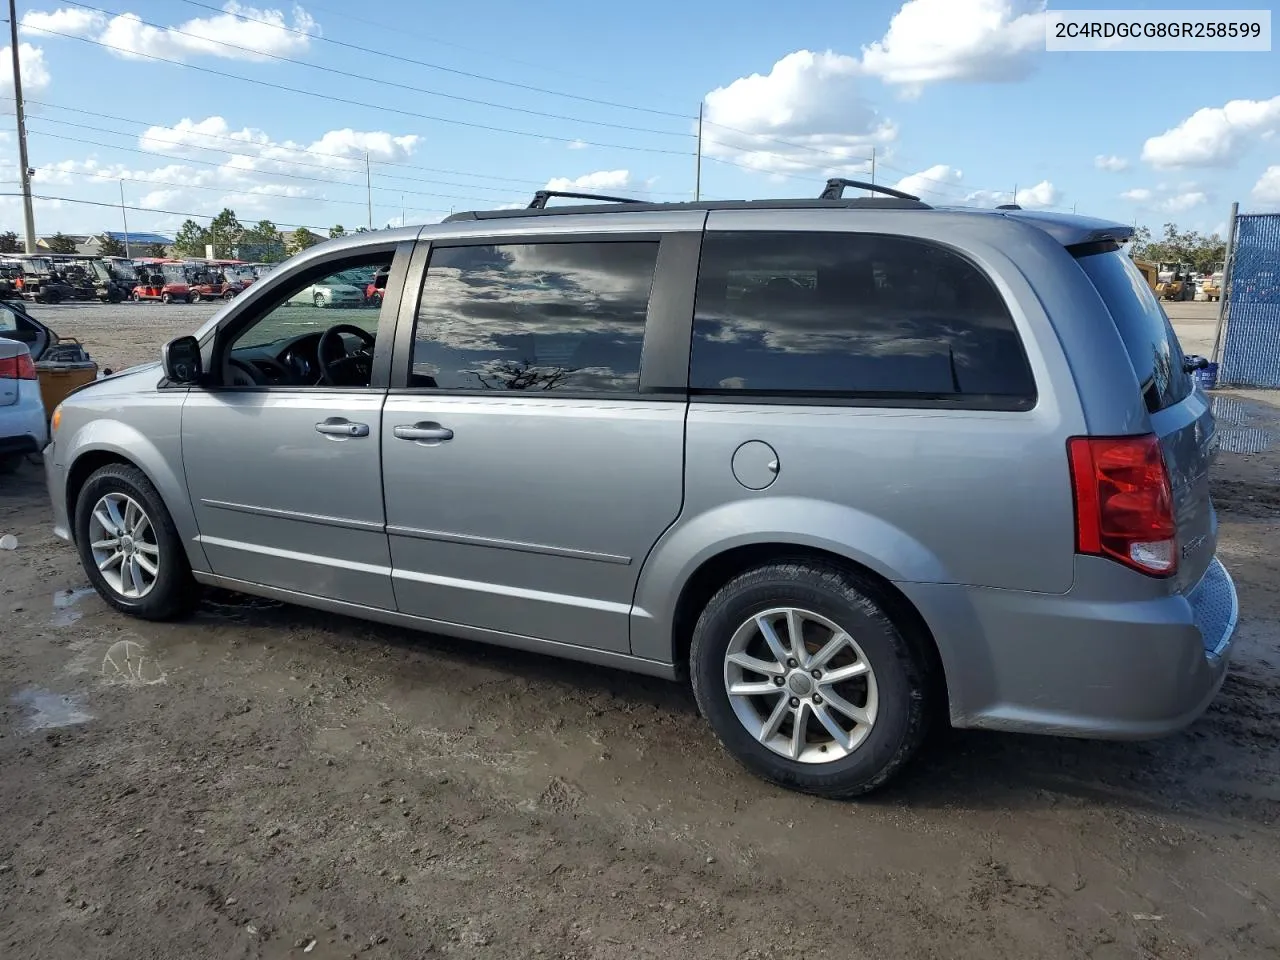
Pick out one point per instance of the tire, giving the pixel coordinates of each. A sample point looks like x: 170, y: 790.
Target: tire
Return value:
x: 195, y: 297
x: 166, y: 298
x: 319, y: 300
x: 894, y: 692
x: 9, y: 463
x: 172, y: 592
x: 137, y: 297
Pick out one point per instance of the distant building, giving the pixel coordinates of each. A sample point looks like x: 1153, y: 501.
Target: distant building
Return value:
x: 91, y: 246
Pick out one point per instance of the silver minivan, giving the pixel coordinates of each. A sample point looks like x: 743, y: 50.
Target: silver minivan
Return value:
x: 848, y: 465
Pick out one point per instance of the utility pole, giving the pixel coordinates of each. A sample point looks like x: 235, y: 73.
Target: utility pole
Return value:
x: 368, y: 188
x: 402, y: 209
x: 1015, y: 194
x: 697, y: 170
x: 124, y: 216
x: 23, y: 163
x: 873, y: 169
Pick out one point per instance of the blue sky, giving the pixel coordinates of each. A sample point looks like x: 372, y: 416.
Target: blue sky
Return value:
x: 957, y: 99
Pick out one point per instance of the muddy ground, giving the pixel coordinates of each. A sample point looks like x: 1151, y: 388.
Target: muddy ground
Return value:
x: 265, y: 781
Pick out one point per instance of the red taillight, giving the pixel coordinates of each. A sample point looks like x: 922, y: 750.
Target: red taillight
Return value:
x: 17, y: 368
x: 1124, y: 503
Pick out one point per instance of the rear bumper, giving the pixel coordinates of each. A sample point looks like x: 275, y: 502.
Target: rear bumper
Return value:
x: 1095, y: 664
x: 23, y: 428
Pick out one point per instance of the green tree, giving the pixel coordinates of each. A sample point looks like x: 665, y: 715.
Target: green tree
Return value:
x: 110, y: 246
x: 9, y: 242
x: 225, y: 233
x: 191, y: 239
x: 337, y: 231
x: 61, y: 243
x: 158, y: 250
x: 299, y: 240
x: 1180, y: 246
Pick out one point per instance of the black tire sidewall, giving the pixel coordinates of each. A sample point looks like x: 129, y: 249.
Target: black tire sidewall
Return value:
x: 900, y: 718
x: 173, y: 590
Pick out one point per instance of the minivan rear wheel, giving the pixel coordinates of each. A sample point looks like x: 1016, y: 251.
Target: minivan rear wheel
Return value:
x: 807, y: 681
x: 129, y: 546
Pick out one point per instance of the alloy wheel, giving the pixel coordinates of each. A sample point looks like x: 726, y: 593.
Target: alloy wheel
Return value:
x: 124, y: 547
x: 800, y: 684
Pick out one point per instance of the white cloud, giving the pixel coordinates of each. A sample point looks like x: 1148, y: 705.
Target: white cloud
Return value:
x: 1214, y: 136
x: 1112, y: 164
x: 1043, y: 194
x: 337, y: 151
x: 1137, y: 195
x: 813, y: 102
x: 1181, y: 202
x: 1267, y: 189
x: 939, y: 179
x: 592, y: 182
x: 127, y: 35
x: 577, y: 145
x: 35, y: 74
x: 72, y: 21
x: 935, y: 40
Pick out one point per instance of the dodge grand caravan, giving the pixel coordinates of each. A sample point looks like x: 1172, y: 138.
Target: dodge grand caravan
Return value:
x: 844, y: 464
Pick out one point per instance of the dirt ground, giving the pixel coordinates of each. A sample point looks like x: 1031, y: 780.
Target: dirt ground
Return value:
x: 263, y: 781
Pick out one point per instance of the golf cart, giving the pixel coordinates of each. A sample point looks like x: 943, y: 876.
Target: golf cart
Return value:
x: 41, y: 280
x: 209, y: 281
x: 165, y: 281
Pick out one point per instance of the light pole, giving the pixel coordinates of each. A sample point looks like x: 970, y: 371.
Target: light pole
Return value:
x: 125, y: 217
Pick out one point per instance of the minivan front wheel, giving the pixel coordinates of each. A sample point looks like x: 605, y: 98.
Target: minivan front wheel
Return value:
x: 129, y: 546
x: 807, y: 681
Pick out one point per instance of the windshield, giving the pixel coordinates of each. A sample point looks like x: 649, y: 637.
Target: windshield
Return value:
x: 173, y: 273
x: 1148, y: 336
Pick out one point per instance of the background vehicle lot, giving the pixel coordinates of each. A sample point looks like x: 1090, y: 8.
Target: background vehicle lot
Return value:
x: 310, y: 777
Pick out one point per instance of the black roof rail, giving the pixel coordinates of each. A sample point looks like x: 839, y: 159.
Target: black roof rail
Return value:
x: 1008, y: 206
x: 834, y: 189
x: 540, y: 198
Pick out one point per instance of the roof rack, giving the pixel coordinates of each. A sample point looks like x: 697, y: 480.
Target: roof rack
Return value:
x: 540, y: 198
x: 1008, y: 206
x: 834, y: 189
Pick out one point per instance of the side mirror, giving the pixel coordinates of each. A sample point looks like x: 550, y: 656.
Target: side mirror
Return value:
x: 182, y: 360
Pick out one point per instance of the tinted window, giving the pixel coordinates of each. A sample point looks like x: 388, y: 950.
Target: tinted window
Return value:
x: 852, y: 315
x: 1148, y: 336
x: 567, y: 317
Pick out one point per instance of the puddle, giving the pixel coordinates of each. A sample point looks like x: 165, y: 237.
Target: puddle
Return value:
x: 127, y: 662
x: 65, y: 611
x: 49, y: 710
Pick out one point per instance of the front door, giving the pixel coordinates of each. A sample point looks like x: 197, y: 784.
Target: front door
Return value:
x: 281, y: 453
x: 526, y: 476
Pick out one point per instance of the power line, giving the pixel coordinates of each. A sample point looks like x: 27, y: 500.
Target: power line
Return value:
x: 168, y: 213
x: 211, y: 163
x: 435, y: 66
x: 382, y: 108
x: 247, y: 147
x: 500, y: 106
x: 368, y: 79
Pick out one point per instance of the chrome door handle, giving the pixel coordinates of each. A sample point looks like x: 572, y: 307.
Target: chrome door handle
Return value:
x: 427, y: 432
x: 339, y: 427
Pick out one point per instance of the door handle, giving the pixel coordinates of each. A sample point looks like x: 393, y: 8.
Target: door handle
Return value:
x: 426, y: 432
x: 341, y: 428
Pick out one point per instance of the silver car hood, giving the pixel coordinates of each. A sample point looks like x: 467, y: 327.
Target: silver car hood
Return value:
x: 139, y: 379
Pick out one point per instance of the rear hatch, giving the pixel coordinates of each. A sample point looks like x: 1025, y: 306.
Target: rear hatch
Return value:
x: 1181, y: 416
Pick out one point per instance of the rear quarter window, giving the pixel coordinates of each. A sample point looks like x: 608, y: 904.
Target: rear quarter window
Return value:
x: 854, y: 317
x: 1144, y: 327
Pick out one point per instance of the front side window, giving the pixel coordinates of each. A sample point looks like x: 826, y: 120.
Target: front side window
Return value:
x: 852, y: 316
x: 317, y: 332
x: 536, y: 317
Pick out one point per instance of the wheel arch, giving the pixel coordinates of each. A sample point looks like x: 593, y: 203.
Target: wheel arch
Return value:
x: 135, y: 450
x: 718, y: 570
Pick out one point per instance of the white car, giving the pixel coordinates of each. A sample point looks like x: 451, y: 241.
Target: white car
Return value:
x: 23, y: 428
x: 329, y: 295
